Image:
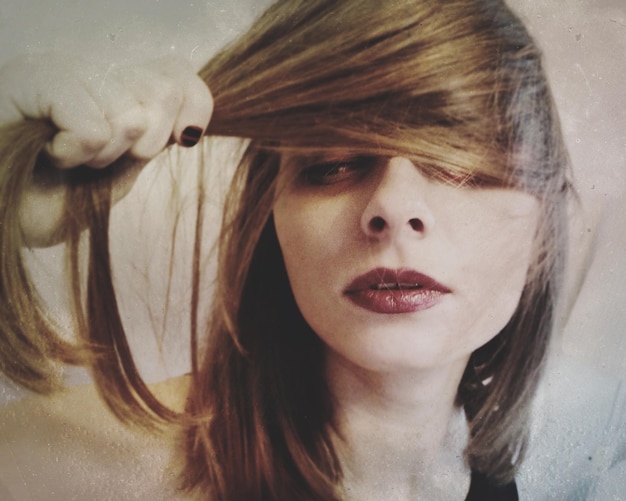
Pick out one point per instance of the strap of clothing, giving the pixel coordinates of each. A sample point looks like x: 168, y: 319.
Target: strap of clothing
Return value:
x: 482, y: 488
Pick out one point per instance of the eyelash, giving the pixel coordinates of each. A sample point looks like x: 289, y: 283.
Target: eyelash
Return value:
x: 337, y: 171
x: 333, y: 172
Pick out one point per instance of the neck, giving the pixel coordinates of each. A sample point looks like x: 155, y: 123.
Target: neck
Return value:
x: 400, y: 431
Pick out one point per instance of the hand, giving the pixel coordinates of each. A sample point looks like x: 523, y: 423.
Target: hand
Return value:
x: 103, y: 113
x: 99, y: 114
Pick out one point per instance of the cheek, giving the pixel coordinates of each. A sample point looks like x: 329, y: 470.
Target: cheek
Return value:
x: 319, y: 240
x: 300, y: 237
x: 314, y: 231
x: 309, y: 235
x: 498, y: 268
x: 299, y: 234
x: 483, y: 246
x: 496, y: 235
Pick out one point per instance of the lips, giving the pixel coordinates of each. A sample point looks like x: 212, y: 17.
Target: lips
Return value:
x: 389, y: 291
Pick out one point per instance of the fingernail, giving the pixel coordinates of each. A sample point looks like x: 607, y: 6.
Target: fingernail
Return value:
x: 190, y: 136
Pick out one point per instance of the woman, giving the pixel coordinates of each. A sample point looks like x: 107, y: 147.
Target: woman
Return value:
x: 346, y: 191
x: 390, y: 258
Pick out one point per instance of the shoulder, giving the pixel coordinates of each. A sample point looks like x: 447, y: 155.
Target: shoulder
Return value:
x: 578, y: 435
x: 69, y: 446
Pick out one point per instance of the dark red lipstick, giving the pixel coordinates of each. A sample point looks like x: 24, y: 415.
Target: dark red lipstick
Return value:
x: 388, y: 291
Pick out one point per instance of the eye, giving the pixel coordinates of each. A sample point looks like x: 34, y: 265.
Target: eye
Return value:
x: 336, y: 171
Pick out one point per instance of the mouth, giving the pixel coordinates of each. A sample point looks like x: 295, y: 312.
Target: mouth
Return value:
x: 395, y: 286
x: 390, y: 279
x: 389, y: 291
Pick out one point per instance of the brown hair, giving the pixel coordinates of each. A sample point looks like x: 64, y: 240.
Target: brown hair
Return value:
x: 458, y: 87
x: 30, y: 346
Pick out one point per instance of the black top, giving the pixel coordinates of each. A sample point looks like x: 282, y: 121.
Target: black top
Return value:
x: 482, y: 488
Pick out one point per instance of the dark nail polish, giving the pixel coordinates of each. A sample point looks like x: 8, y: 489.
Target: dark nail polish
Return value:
x: 190, y: 136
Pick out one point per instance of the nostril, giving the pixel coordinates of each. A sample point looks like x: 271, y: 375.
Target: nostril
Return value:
x: 377, y: 224
x: 416, y: 224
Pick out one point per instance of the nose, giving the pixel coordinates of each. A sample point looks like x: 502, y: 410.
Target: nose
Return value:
x: 398, y: 203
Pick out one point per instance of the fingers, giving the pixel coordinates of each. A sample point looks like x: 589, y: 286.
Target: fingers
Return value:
x: 177, y: 103
x: 51, y: 88
x: 161, y: 98
x: 103, y: 114
x: 96, y: 128
x: 125, y: 128
x: 195, y: 113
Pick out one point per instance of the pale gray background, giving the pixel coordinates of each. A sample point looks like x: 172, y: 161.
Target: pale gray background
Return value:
x: 585, y: 47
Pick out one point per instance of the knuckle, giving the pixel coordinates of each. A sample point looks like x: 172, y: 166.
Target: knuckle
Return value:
x: 144, y: 152
x: 147, y: 147
x: 132, y: 133
x: 170, y: 93
x: 94, y: 141
x: 133, y: 127
x: 204, y: 96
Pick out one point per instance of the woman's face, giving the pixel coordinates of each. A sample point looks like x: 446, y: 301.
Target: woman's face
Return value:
x: 396, y: 271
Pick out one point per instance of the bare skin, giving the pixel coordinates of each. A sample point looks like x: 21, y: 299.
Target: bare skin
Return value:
x: 70, y: 446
